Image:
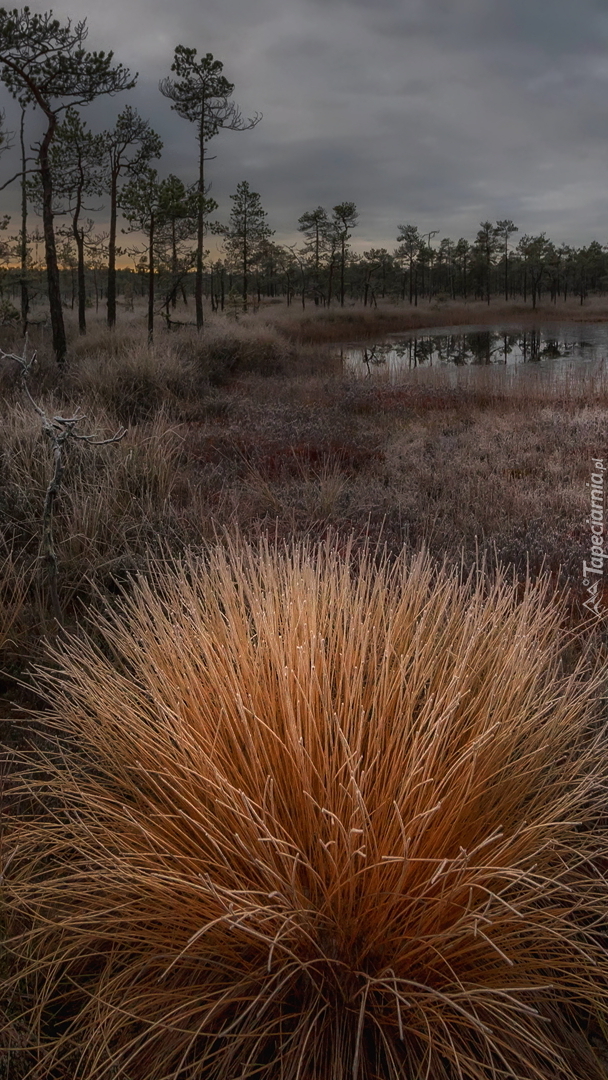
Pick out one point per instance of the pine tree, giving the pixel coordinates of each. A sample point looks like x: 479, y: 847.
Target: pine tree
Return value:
x: 201, y: 94
x: 410, y: 243
x: 76, y: 160
x: 503, y: 231
x: 140, y: 202
x: 45, y: 63
x: 247, y: 230
x: 129, y: 148
x: 345, y: 218
x: 315, y: 225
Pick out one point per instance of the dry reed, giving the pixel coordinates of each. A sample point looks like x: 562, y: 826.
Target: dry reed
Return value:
x: 312, y: 816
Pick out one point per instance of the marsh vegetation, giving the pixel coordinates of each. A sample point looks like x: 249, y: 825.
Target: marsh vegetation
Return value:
x: 256, y: 434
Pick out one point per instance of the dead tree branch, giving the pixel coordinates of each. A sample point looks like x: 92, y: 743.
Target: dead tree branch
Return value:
x: 59, y: 430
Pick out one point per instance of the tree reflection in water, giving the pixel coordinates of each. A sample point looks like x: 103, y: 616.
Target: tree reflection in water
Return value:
x: 476, y: 346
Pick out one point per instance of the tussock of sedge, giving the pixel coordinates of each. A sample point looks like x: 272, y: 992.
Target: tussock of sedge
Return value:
x: 315, y: 817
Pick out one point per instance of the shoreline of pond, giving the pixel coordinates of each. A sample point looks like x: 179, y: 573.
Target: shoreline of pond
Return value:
x: 510, y: 344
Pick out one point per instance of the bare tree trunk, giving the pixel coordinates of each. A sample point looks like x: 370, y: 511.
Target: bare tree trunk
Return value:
x: 245, y: 263
x: 200, y: 230
x: 82, y: 289
x: 23, y: 282
x: 79, y: 238
x: 111, y: 300
x: 52, y: 268
x: 151, y: 283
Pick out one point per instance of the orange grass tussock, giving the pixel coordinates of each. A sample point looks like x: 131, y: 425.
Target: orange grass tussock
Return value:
x: 312, y: 816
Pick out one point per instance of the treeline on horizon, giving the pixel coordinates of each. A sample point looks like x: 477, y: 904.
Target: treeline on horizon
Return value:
x: 45, y: 66
x: 452, y: 270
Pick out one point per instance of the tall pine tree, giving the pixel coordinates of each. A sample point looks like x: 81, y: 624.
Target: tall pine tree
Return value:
x: 46, y: 63
x: 201, y: 94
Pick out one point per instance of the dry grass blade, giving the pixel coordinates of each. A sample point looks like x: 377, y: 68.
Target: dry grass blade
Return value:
x: 313, y: 816
x: 15, y: 580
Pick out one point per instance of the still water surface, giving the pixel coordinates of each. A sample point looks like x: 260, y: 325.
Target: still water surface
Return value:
x: 551, y: 346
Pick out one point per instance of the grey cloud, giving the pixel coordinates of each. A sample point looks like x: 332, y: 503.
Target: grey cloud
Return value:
x: 439, y: 112
x: 556, y: 27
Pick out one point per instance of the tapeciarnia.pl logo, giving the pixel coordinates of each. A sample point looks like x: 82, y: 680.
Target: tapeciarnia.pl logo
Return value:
x: 594, y: 570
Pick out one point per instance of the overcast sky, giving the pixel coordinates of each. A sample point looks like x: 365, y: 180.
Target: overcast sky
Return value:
x: 438, y: 113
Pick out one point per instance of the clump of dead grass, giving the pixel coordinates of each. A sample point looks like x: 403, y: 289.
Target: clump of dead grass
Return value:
x: 228, y: 349
x: 312, y: 816
x: 136, y: 382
